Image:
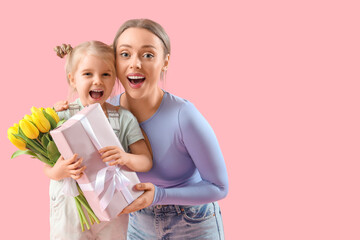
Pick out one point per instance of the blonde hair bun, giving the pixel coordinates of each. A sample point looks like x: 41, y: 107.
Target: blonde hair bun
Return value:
x: 63, y: 50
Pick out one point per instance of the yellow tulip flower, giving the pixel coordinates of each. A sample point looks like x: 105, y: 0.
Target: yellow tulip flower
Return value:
x: 53, y: 114
x: 19, y: 143
x: 28, y: 117
x: 40, y: 121
x: 28, y: 129
x: 34, y: 109
x: 12, y: 130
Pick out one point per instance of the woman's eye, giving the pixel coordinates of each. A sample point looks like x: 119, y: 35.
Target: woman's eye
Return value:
x: 107, y: 74
x: 124, y: 54
x: 148, y: 55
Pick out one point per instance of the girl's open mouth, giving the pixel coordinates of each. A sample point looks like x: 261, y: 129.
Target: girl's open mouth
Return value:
x: 96, y: 94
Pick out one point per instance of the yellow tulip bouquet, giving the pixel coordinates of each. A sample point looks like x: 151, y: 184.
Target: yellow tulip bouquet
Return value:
x: 31, y: 136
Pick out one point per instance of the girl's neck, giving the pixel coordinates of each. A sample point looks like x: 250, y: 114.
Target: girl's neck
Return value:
x: 144, y: 107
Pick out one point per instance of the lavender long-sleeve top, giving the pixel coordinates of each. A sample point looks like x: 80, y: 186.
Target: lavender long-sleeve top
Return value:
x: 188, y: 166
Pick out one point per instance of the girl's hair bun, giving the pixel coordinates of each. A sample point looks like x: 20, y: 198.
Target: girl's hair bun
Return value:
x: 62, y: 50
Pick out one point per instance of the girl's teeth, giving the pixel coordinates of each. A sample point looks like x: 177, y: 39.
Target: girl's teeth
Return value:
x: 96, y: 93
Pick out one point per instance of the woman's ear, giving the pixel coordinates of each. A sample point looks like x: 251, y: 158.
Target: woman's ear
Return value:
x: 166, y: 62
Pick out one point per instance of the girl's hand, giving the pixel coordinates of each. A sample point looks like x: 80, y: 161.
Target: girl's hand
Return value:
x: 144, y: 200
x: 61, y: 106
x: 64, y: 168
x: 114, y: 155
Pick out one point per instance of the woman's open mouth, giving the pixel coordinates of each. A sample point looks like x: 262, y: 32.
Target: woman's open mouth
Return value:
x: 136, y: 80
x: 96, y: 94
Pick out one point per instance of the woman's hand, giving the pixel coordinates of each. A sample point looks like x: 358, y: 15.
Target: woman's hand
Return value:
x: 144, y: 200
x: 114, y: 155
x: 64, y: 168
x: 61, y: 106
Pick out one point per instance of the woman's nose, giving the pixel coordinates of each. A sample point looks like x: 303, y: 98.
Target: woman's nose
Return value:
x: 136, y: 63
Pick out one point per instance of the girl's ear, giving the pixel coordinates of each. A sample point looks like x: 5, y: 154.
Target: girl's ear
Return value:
x: 72, y: 81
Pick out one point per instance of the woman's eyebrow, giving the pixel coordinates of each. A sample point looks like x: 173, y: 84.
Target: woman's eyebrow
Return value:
x: 148, y: 46
x: 124, y: 45
x: 129, y: 46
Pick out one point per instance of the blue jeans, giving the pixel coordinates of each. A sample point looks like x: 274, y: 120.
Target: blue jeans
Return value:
x: 177, y: 222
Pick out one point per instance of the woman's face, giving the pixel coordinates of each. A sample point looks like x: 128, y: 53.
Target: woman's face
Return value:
x: 139, y: 61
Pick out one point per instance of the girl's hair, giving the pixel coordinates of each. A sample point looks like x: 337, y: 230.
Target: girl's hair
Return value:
x: 151, y: 26
x: 75, y: 55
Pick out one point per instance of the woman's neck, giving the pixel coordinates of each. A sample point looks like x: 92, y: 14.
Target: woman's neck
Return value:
x: 142, y: 108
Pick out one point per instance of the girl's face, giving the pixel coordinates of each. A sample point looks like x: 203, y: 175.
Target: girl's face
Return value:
x: 139, y: 61
x: 93, y: 80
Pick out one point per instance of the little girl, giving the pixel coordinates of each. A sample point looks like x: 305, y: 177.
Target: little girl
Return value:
x: 90, y: 70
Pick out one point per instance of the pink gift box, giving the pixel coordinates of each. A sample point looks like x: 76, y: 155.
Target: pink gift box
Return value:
x: 77, y: 135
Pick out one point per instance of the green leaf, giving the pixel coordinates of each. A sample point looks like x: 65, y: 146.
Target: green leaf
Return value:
x: 51, y: 120
x: 60, y: 123
x: 21, y: 152
x: 53, y: 152
x: 43, y: 159
x: 44, y: 140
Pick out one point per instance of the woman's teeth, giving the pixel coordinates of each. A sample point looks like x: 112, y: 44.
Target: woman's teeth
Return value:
x: 96, y: 93
x: 136, y: 79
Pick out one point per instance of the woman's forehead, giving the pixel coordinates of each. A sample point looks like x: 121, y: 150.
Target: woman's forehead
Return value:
x: 138, y: 38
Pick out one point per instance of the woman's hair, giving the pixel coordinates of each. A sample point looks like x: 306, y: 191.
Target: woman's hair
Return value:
x: 75, y: 55
x: 149, y: 25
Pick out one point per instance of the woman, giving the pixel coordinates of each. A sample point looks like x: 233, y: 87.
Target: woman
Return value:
x: 189, y: 173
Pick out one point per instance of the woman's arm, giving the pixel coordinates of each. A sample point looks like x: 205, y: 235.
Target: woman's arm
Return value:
x: 203, y: 147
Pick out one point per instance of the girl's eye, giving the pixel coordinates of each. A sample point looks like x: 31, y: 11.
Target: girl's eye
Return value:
x: 107, y: 74
x: 148, y: 55
x: 124, y: 54
x: 87, y: 74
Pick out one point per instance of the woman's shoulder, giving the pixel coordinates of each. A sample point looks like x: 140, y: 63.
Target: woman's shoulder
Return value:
x: 175, y: 101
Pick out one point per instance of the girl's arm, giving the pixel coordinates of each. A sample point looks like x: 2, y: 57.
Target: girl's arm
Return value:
x: 61, y: 106
x: 64, y: 168
x: 139, y: 160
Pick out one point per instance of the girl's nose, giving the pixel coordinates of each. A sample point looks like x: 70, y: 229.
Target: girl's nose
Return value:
x: 97, y: 80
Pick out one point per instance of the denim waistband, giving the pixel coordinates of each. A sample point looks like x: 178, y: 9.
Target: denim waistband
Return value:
x: 166, y: 208
x: 176, y: 208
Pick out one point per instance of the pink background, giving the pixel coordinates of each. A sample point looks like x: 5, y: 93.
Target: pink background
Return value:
x: 277, y: 80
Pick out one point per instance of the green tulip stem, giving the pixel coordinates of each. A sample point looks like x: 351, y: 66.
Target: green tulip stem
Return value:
x: 80, y: 212
x: 83, y: 214
x: 40, y: 143
x: 35, y: 146
x: 92, y: 221
x: 83, y: 201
